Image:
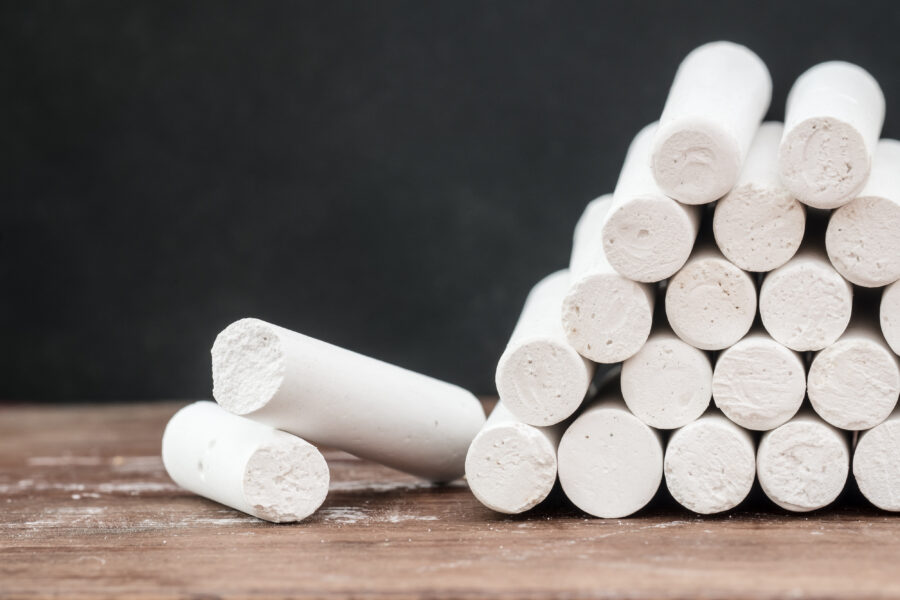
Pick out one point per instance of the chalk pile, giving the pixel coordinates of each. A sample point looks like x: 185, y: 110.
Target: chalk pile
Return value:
x: 711, y: 277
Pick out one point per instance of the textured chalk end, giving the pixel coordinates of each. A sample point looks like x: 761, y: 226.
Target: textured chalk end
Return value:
x: 875, y: 465
x: 890, y: 316
x: 247, y: 365
x: 863, y: 242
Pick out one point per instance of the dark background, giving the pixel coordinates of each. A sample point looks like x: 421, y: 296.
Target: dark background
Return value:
x: 391, y: 177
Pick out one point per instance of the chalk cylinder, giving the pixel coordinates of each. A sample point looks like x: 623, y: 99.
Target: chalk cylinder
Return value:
x: 243, y: 464
x: 833, y: 119
x: 540, y: 377
x: 710, y: 303
x: 610, y: 463
x: 805, y: 304
x: 862, y: 237
x: 338, y: 398
x: 758, y: 383
x: 668, y: 383
x: 647, y: 236
x: 511, y: 466
x: 875, y: 464
x: 606, y: 317
x: 720, y: 94
x: 759, y: 225
x: 710, y: 464
x: 803, y: 464
x: 889, y: 313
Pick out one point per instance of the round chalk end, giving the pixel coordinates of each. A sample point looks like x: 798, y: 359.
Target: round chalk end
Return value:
x: 511, y: 467
x: 667, y: 384
x: 862, y: 241
x: 759, y: 228
x: 823, y: 162
x: 711, y: 303
x: 607, y: 317
x: 803, y: 464
x: 890, y: 316
x: 854, y: 384
x: 875, y: 465
x: 542, y: 381
x: 758, y: 383
x: 695, y: 161
x: 710, y: 465
x: 805, y: 304
x: 648, y: 238
x: 610, y: 463
x: 247, y: 366
x: 285, y: 479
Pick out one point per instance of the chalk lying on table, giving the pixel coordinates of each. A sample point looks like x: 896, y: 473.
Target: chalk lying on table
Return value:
x: 243, y: 464
x: 610, y: 463
x: 758, y: 383
x: 720, y: 94
x: 710, y: 464
x: 344, y: 400
x: 758, y: 225
x: 803, y: 464
x: 606, y: 317
x: 833, y: 118
x: 889, y: 313
x: 805, y: 304
x: 862, y: 237
x: 511, y: 466
x: 647, y: 235
x: 540, y: 377
x: 875, y: 464
x: 668, y: 383
x: 854, y: 384
x: 710, y: 303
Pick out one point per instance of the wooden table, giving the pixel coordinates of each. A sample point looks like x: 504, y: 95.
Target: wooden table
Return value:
x: 88, y: 511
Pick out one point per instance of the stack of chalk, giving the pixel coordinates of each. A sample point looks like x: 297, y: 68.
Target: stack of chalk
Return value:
x: 715, y: 286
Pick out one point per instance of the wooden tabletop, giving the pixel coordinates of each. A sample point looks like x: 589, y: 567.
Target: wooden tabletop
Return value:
x: 88, y: 511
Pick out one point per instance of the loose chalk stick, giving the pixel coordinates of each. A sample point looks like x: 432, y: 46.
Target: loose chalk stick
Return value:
x: 890, y: 316
x: 606, y: 316
x: 511, y: 466
x: 610, y: 463
x: 833, y: 118
x: 805, y: 304
x: 854, y: 384
x: 710, y: 303
x: 667, y: 384
x: 862, y: 237
x: 758, y: 383
x: 647, y: 235
x: 803, y: 464
x: 710, y: 465
x: 720, y: 94
x: 540, y: 377
x: 876, y: 464
x: 758, y: 225
x: 243, y: 464
x: 345, y: 400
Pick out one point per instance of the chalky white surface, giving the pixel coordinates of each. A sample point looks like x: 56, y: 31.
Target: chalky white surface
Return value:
x: 875, y: 464
x: 889, y: 313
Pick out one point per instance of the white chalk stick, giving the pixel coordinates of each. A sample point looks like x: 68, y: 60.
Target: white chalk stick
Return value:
x: 803, y: 464
x: 805, y: 304
x: 758, y: 225
x: 606, y: 317
x: 710, y: 464
x: 758, y: 383
x: 832, y: 122
x: 862, y: 237
x: 243, y: 464
x: 540, y: 377
x: 610, y: 463
x: 647, y: 235
x: 511, y: 466
x: 719, y: 97
x: 338, y: 398
x: 854, y: 384
x: 890, y: 316
x: 876, y: 466
x: 668, y: 383
x: 710, y: 303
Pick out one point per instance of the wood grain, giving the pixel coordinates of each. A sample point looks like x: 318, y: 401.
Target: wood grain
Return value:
x: 87, y: 511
